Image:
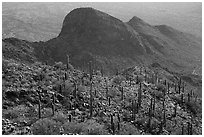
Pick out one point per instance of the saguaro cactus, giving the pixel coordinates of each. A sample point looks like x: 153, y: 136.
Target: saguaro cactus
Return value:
x: 168, y: 88
x: 118, y: 115
x: 191, y: 93
x: 53, y: 104
x: 90, y: 70
x: 91, y: 101
x: 165, y: 82
x: 109, y: 101
x: 151, y: 106
x: 130, y: 81
x: 70, y: 117
x: 112, y: 124
x: 102, y: 72
x: 122, y: 92
x: 164, y: 118
x: 182, y: 129
x: 145, y: 76
x: 175, y: 88
x: 133, y: 110
x: 75, y: 90
x: 183, y: 87
x: 150, y: 117
x: 106, y: 88
x: 179, y: 85
x: 65, y: 76
x: 189, y: 97
x: 39, y: 104
x: 60, y: 88
x: 190, y: 128
x: 175, y: 110
x: 39, y: 108
x: 140, y: 95
x: 182, y: 99
x: 154, y: 102
x: 137, y: 79
x: 67, y: 62
x: 118, y: 126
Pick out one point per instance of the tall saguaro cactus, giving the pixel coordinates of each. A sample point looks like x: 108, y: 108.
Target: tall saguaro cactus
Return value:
x: 65, y: 76
x: 183, y: 87
x: 182, y: 129
x: 102, y: 72
x: 60, y: 88
x: 168, y: 88
x: 179, y: 85
x: 75, y: 90
x: 91, y: 102
x: 91, y: 70
x: 53, y: 104
x: 175, y: 88
x: 109, y: 101
x: 39, y: 105
x: 39, y: 109
x: 106, y: 88
x: 140, y: 95
x: 112, y: 124
x: 164, y: 118
x: 70, y: 117
x: 67, y: 62
x: 182, y: 99
x: 189, y: 97
x: 175, y: 110
x: 154, y: 103
x: 91, y: 86
x: 133, y: 109
x: 122, y: 92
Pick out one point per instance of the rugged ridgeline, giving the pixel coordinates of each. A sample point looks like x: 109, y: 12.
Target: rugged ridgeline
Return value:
x: 40, y: 99
x: 88, y: 34
x: 91, y: 35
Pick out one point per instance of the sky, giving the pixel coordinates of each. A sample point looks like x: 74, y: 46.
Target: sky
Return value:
x: 184, y: 16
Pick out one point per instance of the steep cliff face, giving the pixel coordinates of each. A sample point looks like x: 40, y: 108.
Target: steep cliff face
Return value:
x: 90, y: 30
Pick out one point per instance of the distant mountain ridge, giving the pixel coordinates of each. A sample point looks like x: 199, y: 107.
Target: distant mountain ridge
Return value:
x: 89, y: 34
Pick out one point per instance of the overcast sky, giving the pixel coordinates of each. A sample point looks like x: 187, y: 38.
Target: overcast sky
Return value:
x: 183, y: 16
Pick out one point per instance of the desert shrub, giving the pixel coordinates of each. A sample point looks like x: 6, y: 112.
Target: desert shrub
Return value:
x: 32, y: 111
x: 91, y: 127
x: 72, y: 127
x: 118, y: 79
x: 58, y: 65
x: 194, y: 107
x: 112, y: 92
x: 70, y: 67
x: 46, y: 127
x: 68, y: 88
x: 45, y: 112
x: 5, y: 65
x: 161, y: 87
x: 128, y: 129
x: 157, y: 94
x: 37, y: 64
x: 126, y: 115
x: 60, y: 117
x: 15, y: 112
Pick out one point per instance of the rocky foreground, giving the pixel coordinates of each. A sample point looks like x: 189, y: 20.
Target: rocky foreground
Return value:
x: 48, y: 100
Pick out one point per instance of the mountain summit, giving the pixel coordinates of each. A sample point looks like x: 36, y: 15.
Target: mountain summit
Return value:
x: 88, y: 34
